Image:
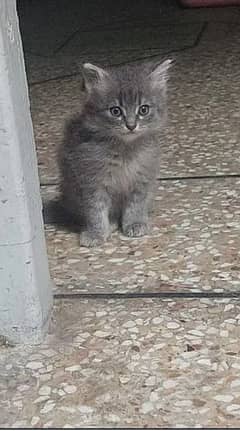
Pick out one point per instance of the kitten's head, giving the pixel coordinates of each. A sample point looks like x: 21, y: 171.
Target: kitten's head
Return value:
x: 126, y: 101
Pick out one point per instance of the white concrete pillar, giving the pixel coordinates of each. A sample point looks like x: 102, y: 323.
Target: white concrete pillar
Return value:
x: 25, y: 287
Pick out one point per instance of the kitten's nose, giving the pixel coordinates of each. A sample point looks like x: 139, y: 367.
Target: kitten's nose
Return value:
x: 131, y: 126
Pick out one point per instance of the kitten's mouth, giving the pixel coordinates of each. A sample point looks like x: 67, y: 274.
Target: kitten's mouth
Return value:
x: 130, y: 136
x: 131, y: 132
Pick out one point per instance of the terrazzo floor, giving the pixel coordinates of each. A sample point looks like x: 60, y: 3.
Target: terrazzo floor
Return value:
x: 138, y: 363
x: 113, y: 358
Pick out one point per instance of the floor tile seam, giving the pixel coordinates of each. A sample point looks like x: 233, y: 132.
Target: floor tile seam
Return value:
x: 147, y: 295
x: 169, y: 179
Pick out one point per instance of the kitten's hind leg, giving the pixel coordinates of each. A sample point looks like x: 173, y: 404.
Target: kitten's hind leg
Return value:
x: 97, y: 227
x: 135, y: 215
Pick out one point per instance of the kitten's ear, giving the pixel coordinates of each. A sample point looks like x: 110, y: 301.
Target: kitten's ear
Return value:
x: 159, y: 76
x: 94, y: 76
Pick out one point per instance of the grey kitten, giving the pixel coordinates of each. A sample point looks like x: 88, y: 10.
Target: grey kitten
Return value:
x: 110, y: 152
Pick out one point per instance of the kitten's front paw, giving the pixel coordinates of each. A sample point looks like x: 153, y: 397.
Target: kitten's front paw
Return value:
x: 136, y: 230
x: 90, y: 239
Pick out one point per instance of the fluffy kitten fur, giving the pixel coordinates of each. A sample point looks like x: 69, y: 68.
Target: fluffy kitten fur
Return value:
x: 110, y: 156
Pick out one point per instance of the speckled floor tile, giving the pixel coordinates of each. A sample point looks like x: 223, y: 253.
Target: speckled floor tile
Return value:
x: 139, y: 363
x: 51, y: 106
x: 194, y: 245
x: 42, y: 69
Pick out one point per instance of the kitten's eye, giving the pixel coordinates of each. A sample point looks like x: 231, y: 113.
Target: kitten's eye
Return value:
x: 143, y: 110
x: 116, y: 111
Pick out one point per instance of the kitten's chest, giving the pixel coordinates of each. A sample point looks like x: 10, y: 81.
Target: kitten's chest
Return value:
x: 125, y: 171
x: 122, y: 174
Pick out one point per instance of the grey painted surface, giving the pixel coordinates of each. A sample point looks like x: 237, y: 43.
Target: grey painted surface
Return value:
x: 25, y: 286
